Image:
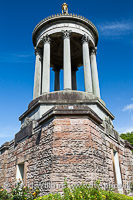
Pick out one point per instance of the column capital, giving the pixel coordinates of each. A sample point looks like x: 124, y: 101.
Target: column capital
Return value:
x: 85, y: 38
x: 46, y: 39
x: 93, y: 51
x: 38, y: 51
x: 66, y: 33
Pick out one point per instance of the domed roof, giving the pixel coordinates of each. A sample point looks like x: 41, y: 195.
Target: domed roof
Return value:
x: 64, y: 16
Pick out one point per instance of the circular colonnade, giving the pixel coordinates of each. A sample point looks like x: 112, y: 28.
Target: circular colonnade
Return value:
x: 65, y: 41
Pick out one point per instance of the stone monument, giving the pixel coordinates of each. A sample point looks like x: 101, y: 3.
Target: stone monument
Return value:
x: 66, y: 133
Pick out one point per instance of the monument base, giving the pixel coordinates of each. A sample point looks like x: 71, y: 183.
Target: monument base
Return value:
x: 70, y: 142
x: 39, y: 106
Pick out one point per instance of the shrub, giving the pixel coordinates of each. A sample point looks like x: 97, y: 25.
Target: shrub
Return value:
x: 19, y: 192
x: 131, y: 187
x: 128, y: 137
x: 4, y: 195
x: 85, y: 192
x: 81, y: 192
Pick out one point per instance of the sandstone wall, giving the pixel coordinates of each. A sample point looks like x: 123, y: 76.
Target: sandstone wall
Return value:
x: 36, y: 153
x: 84, y: 152
x: 3, y: 168
x: 77, y: 148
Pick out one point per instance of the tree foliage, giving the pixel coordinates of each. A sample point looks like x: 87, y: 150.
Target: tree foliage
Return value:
x: 128, y: 137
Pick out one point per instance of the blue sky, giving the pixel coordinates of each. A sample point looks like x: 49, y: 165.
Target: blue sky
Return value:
x: 114, y: 21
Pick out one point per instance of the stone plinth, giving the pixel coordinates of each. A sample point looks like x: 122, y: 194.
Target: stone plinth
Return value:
x: 39, y: 106
x: 67, y: 141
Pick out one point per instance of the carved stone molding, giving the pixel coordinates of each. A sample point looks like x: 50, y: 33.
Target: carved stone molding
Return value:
x: 26, y: 122
x: 66, y: 34
x: 46, y: 39
x: 93, y: 51
x: 109, y: 122
x: 109, y: 128
x: 38, y: 51
x: 25, y: 131
x: 85, y: 38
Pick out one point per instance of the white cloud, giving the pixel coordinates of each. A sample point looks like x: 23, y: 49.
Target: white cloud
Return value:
x: 128, y: 107
x: 124, y: 129
x: 16, y: 58
x: 130, y: 129
x: 117, y: 28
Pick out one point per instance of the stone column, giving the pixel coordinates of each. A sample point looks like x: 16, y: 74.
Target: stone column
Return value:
x: 67, y: 60
x: 74, y: 81
x: 95, y: 81
x: 57, y: 79
x: 37, y: 76
x: 86, y: 63
x: 46, y: 65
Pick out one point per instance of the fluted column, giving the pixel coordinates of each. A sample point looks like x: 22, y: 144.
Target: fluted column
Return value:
x: 37, y: 76
x: 57, y: 79
x: 67, y: 60
x: 74, y: 81
x: 86, y: 63
x: 46, y: 65
x: 95, y: 81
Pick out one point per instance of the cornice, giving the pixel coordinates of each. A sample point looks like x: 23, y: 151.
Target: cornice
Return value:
x: 64, y: 16
x: 77, y: 110
x: 77, y: 98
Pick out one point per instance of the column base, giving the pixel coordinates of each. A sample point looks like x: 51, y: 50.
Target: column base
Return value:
x: 39, y: 106
x: 67, y: 89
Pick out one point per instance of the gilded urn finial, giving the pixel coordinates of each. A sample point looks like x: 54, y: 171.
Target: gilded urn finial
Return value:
x: 64, y: 8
